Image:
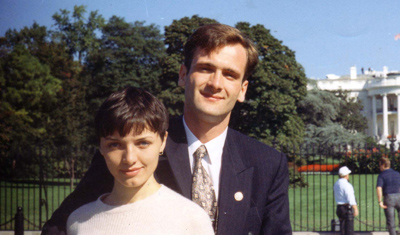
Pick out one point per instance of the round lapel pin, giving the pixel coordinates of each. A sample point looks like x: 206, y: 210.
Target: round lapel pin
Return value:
x: 238, y: 196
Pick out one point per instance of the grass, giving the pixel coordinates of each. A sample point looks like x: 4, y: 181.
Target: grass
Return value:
x: 313, y: 208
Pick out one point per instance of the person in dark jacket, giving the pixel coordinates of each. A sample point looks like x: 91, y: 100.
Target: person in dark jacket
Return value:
x: 388, y: 185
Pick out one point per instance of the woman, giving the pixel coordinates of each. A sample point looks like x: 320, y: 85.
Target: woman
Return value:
x: 132, y: 128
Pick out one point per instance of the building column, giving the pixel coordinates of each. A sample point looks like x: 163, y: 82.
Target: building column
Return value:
x: 385, y: 117
x: 374, y: 122
x: 398, y: 116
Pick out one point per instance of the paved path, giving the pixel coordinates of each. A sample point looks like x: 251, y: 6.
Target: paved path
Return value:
x: 294, y: 233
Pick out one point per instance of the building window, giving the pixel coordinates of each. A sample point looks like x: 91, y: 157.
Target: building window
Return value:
x: 391, y: 103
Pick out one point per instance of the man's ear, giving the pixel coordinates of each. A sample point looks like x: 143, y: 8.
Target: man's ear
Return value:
x: 243, y: 90
x: 182, y: 75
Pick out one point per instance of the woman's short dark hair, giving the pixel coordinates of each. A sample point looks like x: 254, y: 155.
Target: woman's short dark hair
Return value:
x: 214, y: 36
x: 131, y: 109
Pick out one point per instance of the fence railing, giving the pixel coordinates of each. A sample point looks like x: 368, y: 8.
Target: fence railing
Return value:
x: 313, y: 171
x: 38, y: 180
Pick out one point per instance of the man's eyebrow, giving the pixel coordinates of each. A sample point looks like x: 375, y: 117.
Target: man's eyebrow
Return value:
x: 232, y: 71
x: 205, y: 64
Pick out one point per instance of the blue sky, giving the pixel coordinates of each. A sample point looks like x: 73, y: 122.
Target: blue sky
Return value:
x: 327, y: 36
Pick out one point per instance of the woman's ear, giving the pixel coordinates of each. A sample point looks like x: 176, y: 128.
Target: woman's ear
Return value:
x: 100, y: 149
x: 164, y: 142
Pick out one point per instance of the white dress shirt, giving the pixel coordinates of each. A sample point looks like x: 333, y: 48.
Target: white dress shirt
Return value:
x: 344, y: 192
x: 211, y: 162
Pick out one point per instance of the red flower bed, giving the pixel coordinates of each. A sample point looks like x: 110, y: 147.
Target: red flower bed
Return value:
x: 318, y: 168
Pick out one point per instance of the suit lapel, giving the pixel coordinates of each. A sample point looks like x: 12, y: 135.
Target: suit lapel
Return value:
x: 177, y: 153
x: 235, y: 188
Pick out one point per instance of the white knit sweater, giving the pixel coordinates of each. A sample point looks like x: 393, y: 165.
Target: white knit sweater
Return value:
x: 164, y: 212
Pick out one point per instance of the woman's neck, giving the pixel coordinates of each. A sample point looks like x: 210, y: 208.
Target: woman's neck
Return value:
x: 122, y: 195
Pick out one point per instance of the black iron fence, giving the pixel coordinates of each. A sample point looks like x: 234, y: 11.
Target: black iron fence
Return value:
x: 38, y: 180
x: 313, y: 172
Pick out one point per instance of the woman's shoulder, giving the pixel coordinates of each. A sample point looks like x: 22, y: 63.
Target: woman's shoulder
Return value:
x: 190, y: 215
x: 86, y: 211
x: 171, y: 195
x: 174, y: 199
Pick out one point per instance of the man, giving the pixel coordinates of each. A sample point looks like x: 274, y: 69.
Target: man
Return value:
x: 388, y: 185
x: 346, y: 208
x: 247, y: 181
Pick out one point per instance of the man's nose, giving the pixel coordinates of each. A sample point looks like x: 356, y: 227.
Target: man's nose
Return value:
x: 216, y: 81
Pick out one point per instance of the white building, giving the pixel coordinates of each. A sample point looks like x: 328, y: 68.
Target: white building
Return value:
x: 379, y: 92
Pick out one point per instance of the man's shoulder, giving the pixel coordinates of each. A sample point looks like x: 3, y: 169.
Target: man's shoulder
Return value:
x: 391, y: 173
x: 248, y: 143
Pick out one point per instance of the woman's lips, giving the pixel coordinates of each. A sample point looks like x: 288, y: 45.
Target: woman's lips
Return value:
x: 131, y: 172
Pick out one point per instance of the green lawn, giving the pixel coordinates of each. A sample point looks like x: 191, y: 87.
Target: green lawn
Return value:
x: 313, y: 208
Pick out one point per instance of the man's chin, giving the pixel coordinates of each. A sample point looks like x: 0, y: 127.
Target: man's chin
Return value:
x: 212, y: 116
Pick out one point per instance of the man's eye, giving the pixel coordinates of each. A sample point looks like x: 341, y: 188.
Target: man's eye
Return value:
x: 230, y: 75
x: 205, y: 69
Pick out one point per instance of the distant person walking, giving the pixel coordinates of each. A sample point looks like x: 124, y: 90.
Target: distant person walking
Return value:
x: 388, y: 184
x: 346, y: 203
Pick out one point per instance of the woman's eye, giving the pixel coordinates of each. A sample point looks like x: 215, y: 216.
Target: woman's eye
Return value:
x: 144, y: 143
x: 113, y: 145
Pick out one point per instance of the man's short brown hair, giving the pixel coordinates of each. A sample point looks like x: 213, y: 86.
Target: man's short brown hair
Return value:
x: 385, y: 162
x: 214, y: 36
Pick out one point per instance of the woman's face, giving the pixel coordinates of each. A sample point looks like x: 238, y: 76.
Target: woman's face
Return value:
x: 132, y: 159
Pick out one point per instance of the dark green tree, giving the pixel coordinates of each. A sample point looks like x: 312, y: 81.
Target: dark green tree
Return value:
x: 322, y: 113
x: 129, y: 55
x: 277, y: 86
x: 62, y: 127
x: 319, y: 108
x: 28, y: 93
x: 77, y: 32
x: 350, y: 114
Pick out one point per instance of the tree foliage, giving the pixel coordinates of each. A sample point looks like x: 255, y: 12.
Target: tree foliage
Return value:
x: 332, y: 119
x: 276, y: 87
x: 129, y: 55
x: 65, y: 74
x: 350, y: 114
x: 28, y: 91
x: 77, y: 32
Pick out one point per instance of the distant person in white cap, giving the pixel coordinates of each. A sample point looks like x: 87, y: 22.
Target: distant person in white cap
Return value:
x: 346, y: 203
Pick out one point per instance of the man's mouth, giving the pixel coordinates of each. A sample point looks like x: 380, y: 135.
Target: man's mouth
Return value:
x: 211, y: 96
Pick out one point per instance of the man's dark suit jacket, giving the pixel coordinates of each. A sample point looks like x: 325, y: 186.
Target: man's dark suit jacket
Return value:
x: 250, y: 168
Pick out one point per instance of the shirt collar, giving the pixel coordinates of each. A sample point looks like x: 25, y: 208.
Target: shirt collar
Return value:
x: 214, y: 146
